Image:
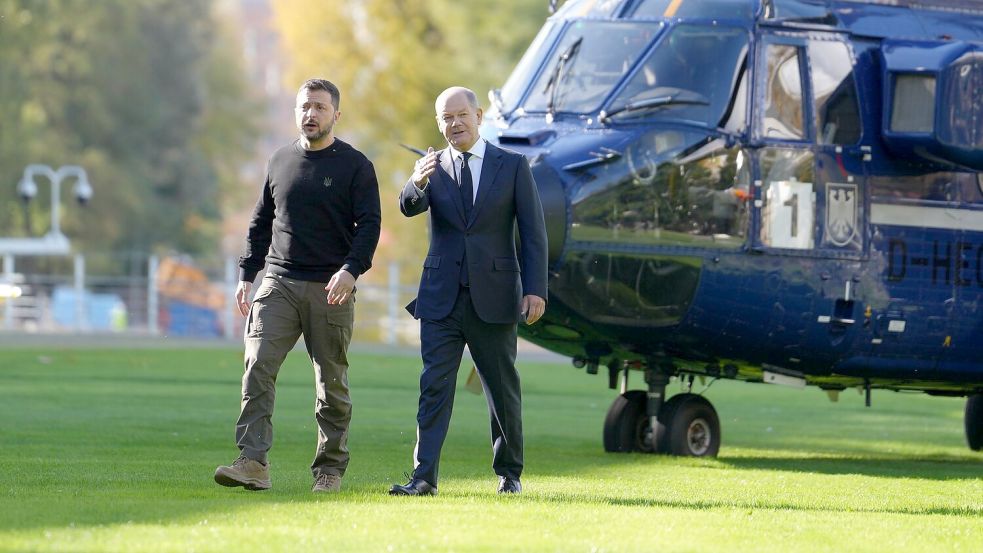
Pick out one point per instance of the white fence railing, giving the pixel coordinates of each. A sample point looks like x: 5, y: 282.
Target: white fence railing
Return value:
x: 167, y: 296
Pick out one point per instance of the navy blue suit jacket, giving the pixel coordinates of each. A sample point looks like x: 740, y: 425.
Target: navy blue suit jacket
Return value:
x: 507, y: 200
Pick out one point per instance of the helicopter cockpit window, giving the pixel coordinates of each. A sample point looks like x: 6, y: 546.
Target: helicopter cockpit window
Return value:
x: 835, y: 96
x: 783, y: 117
x: 512, y: 90
x: 694, y: 8
x: 690, y: 75
x: 673, y: 188
x: 591, y: 57
x: 912, y: 93
x: 939, y: 186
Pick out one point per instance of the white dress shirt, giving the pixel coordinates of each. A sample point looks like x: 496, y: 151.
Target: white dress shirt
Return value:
x: 477, y: 158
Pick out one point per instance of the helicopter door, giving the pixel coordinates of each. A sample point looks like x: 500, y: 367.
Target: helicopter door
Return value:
x: 785, y: 205
x: 840, y: 186
x: 809, y: 202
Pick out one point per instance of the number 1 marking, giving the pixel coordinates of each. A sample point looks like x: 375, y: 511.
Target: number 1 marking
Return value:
x: 793, y: 202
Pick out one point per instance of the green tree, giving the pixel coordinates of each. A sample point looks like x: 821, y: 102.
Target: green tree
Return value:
x: 391, y: 58
x: 141, y: 93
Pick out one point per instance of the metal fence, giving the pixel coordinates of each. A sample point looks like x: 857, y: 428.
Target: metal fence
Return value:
x: 173, y: 296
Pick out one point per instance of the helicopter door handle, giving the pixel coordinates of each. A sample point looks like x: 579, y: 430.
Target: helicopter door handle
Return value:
x: 840, y: 321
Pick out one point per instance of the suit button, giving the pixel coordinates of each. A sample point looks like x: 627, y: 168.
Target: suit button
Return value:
x: 458, y: 263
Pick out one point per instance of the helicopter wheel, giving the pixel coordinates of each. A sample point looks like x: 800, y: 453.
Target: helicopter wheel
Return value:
x: 688, y: 426
x: 974, y: 422
x: 626, y: 427
x: 692, y: 428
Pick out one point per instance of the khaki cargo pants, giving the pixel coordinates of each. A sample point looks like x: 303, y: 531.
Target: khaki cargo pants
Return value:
x: 283, y: 309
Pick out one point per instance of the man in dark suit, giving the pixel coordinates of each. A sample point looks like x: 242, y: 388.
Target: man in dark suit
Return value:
x: 473, y: 290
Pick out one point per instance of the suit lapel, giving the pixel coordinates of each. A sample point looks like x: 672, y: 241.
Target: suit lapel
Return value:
x: 450, y: 185
x: 489, y: 168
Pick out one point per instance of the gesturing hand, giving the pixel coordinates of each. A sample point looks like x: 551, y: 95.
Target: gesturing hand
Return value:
x: 340, y: 287
x: 424, y: 167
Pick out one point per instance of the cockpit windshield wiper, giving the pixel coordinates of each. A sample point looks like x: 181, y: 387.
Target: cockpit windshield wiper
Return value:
x: 553, y: 84
x: 658, y: 101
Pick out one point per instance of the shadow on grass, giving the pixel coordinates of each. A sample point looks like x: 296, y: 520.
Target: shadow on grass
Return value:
x: 936, y: 467
x: 927, y: 466
x: 703, y: 505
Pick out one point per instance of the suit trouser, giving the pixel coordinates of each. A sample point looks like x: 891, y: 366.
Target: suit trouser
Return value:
x: 493, y: 349
x: 284, y: 309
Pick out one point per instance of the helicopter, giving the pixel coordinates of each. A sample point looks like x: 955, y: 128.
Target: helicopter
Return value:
x: 777, y: 191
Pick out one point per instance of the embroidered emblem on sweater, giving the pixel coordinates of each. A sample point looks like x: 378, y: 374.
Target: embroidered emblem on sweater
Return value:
x: 327, y: 182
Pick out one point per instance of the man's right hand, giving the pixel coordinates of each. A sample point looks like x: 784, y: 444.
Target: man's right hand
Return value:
x: 425, y: 166
x: 242, y: 296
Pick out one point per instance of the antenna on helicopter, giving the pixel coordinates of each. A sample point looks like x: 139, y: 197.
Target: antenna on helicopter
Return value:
x: 417, y: 151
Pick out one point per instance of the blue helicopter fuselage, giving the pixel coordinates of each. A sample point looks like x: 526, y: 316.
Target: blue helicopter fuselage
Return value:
x: 740, y: 186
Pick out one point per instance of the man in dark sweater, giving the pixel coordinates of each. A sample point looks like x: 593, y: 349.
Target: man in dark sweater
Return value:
x: 317, y: 224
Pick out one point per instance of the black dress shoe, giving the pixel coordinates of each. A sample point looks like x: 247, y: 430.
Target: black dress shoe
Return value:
x: 414, y: 487
x: 508, y: 484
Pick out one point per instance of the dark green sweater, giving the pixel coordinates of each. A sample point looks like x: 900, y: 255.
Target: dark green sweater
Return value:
x: 318, y: 213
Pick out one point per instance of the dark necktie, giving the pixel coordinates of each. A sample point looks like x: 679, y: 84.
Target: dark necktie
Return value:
x: 466, y: 186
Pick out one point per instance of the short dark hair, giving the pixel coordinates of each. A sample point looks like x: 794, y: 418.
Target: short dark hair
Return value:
x: 325, y: 85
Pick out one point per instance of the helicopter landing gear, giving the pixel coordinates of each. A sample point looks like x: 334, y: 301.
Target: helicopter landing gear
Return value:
x: 693, y: 428
x: 626, y: 427
x: 974, y: 422
x: 687, y: 424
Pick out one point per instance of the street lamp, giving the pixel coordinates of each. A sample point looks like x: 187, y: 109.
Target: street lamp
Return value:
x: 54, y: 242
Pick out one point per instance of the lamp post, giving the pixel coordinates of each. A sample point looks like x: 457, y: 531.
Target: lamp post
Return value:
x: 54, y: 242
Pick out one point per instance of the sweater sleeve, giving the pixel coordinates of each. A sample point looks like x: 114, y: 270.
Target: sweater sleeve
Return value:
x: 368, y: 220
x: 258, y: 236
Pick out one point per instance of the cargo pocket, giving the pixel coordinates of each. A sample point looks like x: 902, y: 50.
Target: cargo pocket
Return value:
x: 340, y: 321
x: 254, y: 320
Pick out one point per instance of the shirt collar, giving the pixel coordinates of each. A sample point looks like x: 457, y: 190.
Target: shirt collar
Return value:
x: 478, y: 150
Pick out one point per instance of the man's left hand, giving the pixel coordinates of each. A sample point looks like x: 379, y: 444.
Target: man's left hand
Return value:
x: 340, y: 287
x: 533, y: 308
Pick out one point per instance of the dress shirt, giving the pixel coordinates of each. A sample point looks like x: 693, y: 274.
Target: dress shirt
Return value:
x: 477, y: 158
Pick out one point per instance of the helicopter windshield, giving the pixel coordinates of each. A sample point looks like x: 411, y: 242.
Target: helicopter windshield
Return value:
x: 590, y: 59
x: 512, y: 90
x: 690, y: 75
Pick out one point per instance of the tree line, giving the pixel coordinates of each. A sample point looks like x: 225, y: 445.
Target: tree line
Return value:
x: 147, y: 95
x: 151, y: 98
x: 391, y: 58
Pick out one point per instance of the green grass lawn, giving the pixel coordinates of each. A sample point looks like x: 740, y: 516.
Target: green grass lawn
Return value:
x: 114, y: 450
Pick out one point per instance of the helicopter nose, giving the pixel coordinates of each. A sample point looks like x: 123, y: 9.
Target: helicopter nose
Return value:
x: 554, y: 201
